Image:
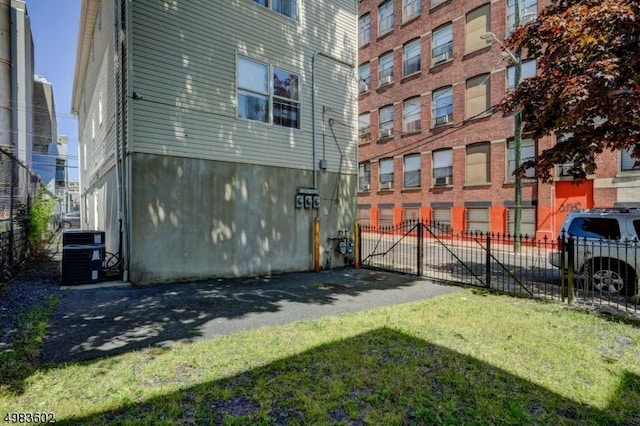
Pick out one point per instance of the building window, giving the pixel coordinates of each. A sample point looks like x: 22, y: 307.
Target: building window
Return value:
x: 478, y: 220
x: 411, y: 9
x: 364, y: 127
x: 412, y: 171
x: 528, y: 11
x: 255, y: 95
x: 385, y: 17
x: 364, y: 215
x: 442, y: 218
x: 477, y: 23
x: 386, y: 173
x: 442, y: 106
x: 364, y: 176
x: 527, y: 221
x: 411, y: 115
x: 385, y: 69
x: 478, y: 164
x: 286, y: 99
x: 527, y: 152
x: 411, y: 213
x: 442, y: 44
x: 364, y: 72
x: 364, y: 29
x: 527, y: 70
x: 385, y: 118
x: 435, y: 3
x: 442, y: 167
x: 93, y: 126
x: 628, y: 163
x: 411, y: 57
x: 288, y: 8
x: 478, y: 94
x: 253, y: 90
x: 100, y: 108
x: 385, y: 217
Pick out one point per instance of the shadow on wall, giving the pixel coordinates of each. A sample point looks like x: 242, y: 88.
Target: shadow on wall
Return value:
x: 349, y: 381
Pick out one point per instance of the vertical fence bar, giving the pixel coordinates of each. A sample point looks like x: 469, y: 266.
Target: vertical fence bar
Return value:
x: 571, y: 249
x: 419, y: 251
x: 488, y: 263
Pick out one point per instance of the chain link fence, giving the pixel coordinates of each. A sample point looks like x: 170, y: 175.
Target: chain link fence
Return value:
x: 18, y: 186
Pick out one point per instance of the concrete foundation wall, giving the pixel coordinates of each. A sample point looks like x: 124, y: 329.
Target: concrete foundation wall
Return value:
x: 196, y: 219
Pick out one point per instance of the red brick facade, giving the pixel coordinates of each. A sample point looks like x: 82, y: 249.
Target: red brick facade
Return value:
x: 492, y: 127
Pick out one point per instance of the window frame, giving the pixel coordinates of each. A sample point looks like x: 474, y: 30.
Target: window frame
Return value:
x: 472, y: 86
x: 511, y: 160
x: 409, y: 48
x: 477, y: 148
x: 388, y: 123
x: 272, y: 99
x: 438, y: 48
x: 412, y: 171
x: 384, y: 8
x: 510, y: 13
x: 525, y: 68
x: 471, y: 42
x: 364, y: 133
x: 406, y: 4
x: 364, y: 84
x: 412, y: 126
x: 438, y: 95
x: 364, y: 29
x: 443, y: 171
x: 364, y: 176
x: 386, y: 177
x: 385, y: 70
x: 270, y: 4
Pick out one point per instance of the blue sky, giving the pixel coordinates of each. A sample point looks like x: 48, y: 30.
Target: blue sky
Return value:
x: 54, y: 26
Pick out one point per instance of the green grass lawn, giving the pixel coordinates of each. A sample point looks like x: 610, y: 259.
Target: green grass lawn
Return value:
x: 465, y: 358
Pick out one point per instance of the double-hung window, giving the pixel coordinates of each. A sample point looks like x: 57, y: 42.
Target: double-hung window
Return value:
x: 269, y: 100
x: 364, y: 29
x: 627, y: 162
x: 411, y: 115
x: 364, y: 127
x: 411, y: 9
x: 385, y: 116
x: 528, y: 11
x: 385, y: 69
x: 288, y: 8
x: 386, y: 173
x: 385, y: 17
x: 478, y: 164
x: 442, y: 106
x: 364, y: 72
x: 412, y: 171
x: 527, y: 70
x: 477, y: 23
x: 527, y: 152
x: 442, y: 44
x: 411, y: 57
x: 364, y: 176
x: 442, y: 167
x: 478, y: 96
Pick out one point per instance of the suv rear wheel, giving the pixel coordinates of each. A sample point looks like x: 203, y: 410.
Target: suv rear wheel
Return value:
x: 609, y: 276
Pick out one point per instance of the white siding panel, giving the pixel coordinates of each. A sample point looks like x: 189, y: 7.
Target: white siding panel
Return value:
x: 184, y: 62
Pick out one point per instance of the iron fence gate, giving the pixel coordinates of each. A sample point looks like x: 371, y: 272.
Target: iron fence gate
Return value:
x: 504, y: 263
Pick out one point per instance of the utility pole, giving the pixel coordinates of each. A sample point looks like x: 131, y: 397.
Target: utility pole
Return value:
x: 517, y: 141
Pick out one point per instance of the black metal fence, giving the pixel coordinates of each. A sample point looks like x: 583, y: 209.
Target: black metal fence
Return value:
x: 516, y: 265
x: 18, y: 186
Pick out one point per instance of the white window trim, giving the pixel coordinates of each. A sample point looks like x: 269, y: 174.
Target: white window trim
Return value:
x: 269, y: 7
x: 270, y: 94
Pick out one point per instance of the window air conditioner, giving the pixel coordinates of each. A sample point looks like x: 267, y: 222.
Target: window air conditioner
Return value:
x: 364, y: 87
x: 386, y: 133
x: 443, y: 181
x: 366, y: 187
x: 388, y: 79
x: 441, y: 57
x: 442, y: 119
x: 386, y: 185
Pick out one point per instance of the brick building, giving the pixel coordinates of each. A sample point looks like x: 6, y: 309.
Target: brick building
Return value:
x: 431, y: 144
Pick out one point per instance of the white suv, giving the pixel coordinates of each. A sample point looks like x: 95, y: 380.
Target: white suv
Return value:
x: 607, y: 249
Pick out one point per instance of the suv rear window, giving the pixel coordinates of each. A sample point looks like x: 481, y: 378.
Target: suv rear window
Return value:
x: 595, y: 227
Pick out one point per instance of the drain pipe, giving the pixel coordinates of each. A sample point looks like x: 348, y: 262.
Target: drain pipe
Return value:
x: 313, y: 105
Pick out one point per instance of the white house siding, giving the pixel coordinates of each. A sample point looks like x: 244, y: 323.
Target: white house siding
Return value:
x: 184, y: 68
x: 212, y: 195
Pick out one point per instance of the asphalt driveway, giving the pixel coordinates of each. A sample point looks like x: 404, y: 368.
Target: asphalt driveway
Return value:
x: 94, y: 322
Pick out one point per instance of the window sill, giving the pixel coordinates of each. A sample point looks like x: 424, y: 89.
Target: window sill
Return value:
x: 439, y: 64
x: 410, y: 19
x: 385, y: 191
x: 365, y: 45
x: 413, y: 132
x: 410, y: 76
x: 628, y: 173
x: 411, y: 189
x: 485, y: 185
x: 384, y: 35
x: 476, y: 50
x: 385, y: 85
x: 386, y: 138
x: 442, y: 186
x: 366, y: 92
x: 442, y: 126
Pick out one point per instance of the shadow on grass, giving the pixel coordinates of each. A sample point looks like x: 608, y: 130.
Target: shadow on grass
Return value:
x: 380, y: 377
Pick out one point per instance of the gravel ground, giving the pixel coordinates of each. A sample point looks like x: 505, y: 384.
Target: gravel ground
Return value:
x: 36, y: 280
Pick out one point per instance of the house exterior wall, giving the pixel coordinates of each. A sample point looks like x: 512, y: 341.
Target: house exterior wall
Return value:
x: 208, y: 194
